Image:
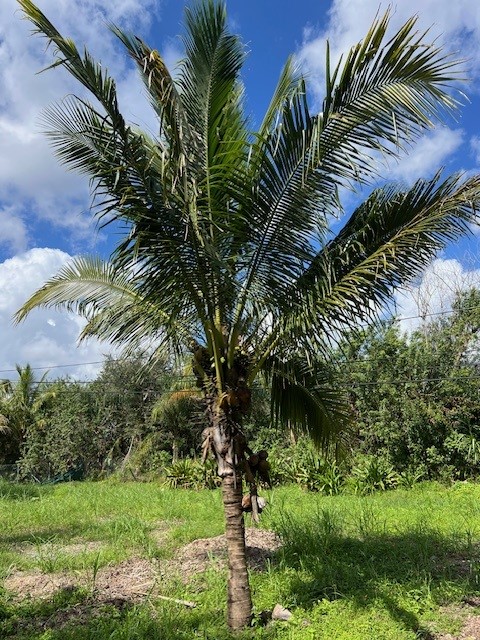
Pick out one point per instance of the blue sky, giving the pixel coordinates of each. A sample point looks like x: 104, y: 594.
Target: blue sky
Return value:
x: 44, y: 211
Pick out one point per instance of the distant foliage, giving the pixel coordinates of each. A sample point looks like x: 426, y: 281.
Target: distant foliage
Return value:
x: 416, y: 401
x: 95, y: 425
x: 417, y: 398
x: 192, y: 474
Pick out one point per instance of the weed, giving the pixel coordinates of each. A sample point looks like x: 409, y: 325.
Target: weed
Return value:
x: 352, y: 567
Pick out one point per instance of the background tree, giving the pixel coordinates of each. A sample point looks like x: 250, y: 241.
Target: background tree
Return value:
x: 22, y: 407
x: 416, y: 396
x: 227, y: 249
x: 179, y: 414
x: 98, y: 423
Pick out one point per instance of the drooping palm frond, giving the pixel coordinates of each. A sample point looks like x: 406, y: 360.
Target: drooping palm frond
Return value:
x: 113, y: 304
x: 304, y: 397
x: 127, y: 169
x: 387, y: 241
x: 177, y: 405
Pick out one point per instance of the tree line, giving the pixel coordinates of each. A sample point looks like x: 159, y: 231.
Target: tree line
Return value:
x: 415, y: 398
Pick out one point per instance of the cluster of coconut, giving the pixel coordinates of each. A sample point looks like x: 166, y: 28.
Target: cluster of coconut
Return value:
x: 257, y: 468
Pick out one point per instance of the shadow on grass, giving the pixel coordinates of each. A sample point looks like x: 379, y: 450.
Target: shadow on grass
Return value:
x: 404, y: 572
x: 17, y: 491
x: 76, y: 615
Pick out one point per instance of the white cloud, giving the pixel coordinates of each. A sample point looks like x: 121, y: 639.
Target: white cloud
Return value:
x: 435, y: 291
x: 427, y: 155
x: 14, y: 232
x: 475, y: 147
x: 30, y: 176
x: 46, y: 338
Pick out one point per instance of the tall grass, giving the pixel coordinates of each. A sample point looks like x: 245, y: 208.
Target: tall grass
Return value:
x: 392, y: 565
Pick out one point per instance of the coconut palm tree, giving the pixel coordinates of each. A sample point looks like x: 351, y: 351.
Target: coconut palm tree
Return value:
x: 22, y: 405
x: 177, y: 410
x: 228, y: 251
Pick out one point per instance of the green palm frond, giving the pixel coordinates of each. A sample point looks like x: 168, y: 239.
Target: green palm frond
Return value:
x: 380, y: 99
x: 22, y: 403
x: 177, y: 405
x: 388, y: 240
x: 112, y: 303
x: 82, y: 67
x: 304, y: 397
x: 177, y: 139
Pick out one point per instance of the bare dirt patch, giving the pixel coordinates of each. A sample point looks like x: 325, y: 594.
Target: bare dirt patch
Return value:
x: 50, y: 549
x: 201, y: 554
x: 470, y: 631
x: 130, y: 580
x: 37, y: 585
x: 137, y: 578
x: 463, y: 614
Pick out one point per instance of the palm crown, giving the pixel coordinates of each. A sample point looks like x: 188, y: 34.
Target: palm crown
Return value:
x: 227, y: 241
x: 227, y: 248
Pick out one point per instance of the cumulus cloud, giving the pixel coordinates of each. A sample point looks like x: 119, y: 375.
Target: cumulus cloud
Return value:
x: 47, y: 337
x: 475, y: 147
x: 14, y: 231
x: 30, y: 176
x: 427, y: 155
x: 455, y: 24
x: 434, y: 292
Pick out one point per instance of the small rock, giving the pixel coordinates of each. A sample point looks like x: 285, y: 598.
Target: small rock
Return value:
x: 280, y: 613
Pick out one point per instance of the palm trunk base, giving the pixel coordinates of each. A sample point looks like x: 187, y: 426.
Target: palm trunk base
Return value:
x: 239, y: 603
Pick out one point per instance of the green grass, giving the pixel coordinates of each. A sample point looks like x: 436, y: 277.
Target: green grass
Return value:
x: 394, y: 565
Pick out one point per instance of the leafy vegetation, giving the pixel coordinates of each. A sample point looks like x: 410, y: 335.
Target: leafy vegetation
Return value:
x: 416, y: 397
x: 22, y: 409
x: 396, y: 565
x: 228, y: 254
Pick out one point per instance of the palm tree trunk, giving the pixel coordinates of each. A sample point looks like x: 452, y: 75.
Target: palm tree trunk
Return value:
x: 239, y: 602
x: 224, y: 440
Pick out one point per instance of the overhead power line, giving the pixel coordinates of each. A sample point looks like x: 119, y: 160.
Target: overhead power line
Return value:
x: 84, y: 364
x: 59, y: 366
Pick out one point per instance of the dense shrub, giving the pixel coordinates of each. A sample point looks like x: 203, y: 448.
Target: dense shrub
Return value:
x: 416, y: 398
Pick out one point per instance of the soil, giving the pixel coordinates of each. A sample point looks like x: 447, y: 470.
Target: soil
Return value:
x: 53, y: 548
x: 470, y: 623
x: 470, y: 631
x: 136, y: 578
x: 201, y: 554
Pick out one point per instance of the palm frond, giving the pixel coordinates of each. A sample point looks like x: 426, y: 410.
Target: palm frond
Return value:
x: 388, y: 240
x: 380, y: 99
x: 304, y: 397
x: 112, y: 302
x: 175, y: 133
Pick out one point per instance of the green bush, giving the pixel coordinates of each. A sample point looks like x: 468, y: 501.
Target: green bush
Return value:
x: 190, y: 473
x: 372, y: 474
x: 302, y: 464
